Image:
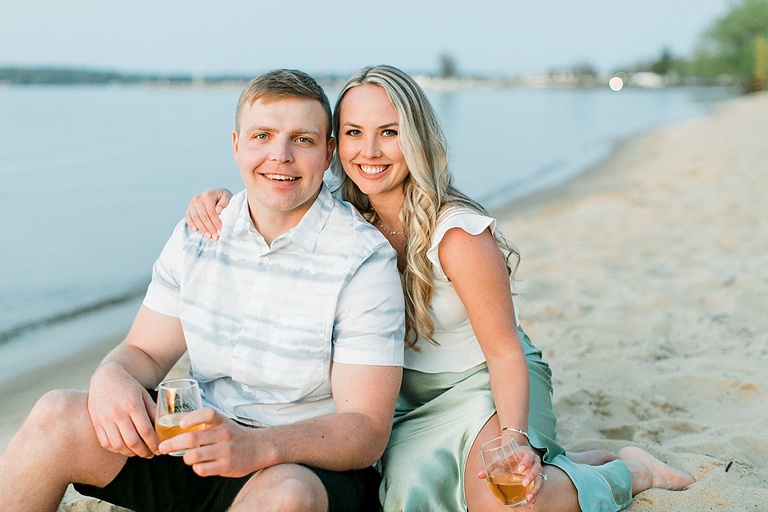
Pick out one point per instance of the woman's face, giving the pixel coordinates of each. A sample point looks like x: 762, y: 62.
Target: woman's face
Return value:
x: 369, y: 146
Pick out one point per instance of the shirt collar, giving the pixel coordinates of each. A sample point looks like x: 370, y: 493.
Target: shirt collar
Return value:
x: 306, y: 233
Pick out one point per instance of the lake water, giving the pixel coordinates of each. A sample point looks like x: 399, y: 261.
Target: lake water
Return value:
x: 94, y: 178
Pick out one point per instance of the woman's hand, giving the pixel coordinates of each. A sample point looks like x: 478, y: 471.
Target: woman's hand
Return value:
x: 530, y: 466
x: 203, y: 212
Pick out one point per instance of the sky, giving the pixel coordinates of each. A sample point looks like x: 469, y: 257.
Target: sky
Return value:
x: 510, y: 37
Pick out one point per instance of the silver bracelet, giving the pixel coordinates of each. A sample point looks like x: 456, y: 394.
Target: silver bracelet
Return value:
x: 519, y: 431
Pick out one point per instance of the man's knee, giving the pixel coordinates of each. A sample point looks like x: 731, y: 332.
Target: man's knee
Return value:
x: 299, y: 494
x: 55, y: 414
x: 287, y: 487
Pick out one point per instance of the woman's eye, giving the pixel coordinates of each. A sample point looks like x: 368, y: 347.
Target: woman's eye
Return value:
x: 389, y: 133
x: 353, y: 133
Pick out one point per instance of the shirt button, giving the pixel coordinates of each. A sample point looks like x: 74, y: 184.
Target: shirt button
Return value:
x: 266, y: 259
x: 238, y: 362
x: 245, y: 387
x: 254, y: 311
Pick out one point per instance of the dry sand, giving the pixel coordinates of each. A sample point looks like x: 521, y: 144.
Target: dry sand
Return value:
x: 645, y: 283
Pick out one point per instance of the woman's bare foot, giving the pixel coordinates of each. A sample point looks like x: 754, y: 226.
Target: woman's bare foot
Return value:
x: 592, y: 457
x: 648, y: 471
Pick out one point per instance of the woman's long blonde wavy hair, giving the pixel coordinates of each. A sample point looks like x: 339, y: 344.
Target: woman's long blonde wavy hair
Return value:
x: 428, y: 189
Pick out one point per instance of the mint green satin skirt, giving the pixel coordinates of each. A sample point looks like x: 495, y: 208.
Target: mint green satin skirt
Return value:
x: 437, y: 419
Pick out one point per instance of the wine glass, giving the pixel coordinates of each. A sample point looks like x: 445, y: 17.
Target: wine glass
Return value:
x: 175, y: 399
x: 501, y: 456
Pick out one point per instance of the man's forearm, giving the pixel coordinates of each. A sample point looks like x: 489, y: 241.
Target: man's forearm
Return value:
x: 339, y: 442
x: 136, y: 363
x: 154, y: 343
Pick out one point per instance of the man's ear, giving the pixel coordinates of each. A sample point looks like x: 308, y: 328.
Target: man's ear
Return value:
x: 235, y: 143
x: 331, y: 147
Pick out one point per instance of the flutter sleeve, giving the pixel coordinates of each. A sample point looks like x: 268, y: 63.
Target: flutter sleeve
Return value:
x: 468, y: 220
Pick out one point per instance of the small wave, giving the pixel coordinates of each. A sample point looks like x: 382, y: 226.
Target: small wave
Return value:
x: 71, y: 314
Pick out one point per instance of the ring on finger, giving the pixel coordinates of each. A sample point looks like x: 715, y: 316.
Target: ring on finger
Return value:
x: 543, y: 476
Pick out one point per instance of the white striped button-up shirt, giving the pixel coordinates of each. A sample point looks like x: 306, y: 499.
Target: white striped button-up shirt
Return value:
x: 263, y: 324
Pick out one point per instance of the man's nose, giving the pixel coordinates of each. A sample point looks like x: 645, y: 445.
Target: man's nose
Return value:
x: 281, y: 150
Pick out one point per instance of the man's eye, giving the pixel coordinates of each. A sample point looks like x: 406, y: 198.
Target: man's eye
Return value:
x: 260, y: 136
x: 304, y: 140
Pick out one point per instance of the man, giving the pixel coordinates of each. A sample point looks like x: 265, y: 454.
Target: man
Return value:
x: 293, y: 320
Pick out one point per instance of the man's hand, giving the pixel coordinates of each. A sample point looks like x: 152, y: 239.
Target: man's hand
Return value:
x: 222, y: 448
x: 120, y: 407
x: 122, y: 413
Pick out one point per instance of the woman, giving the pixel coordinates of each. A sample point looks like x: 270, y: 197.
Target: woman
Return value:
x: 468, y: 362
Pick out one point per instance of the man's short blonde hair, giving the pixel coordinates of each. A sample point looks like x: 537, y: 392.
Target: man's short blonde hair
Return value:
x: 281, y: 84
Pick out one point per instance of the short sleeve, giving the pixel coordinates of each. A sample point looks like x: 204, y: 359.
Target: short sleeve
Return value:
x: 163, y: 292
x: 370, y: 320
x: 468, y: 220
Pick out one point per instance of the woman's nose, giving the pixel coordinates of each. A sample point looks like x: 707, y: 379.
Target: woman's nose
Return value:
x: 371, y: 148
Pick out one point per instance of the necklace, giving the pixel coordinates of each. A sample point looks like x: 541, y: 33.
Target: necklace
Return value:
x: 386, y: 229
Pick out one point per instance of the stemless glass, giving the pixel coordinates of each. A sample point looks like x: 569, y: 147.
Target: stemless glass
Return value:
x: 176, y: 398
x: 501, y: 456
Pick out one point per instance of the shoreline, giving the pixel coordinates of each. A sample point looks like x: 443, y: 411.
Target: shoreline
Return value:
x: 21, y: 392
x: 572, y: 188
x: 640, y: 281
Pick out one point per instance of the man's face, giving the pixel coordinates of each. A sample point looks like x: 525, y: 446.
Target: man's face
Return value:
x: 282, y: 150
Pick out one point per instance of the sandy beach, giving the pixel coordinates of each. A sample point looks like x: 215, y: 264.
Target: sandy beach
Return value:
x: 645, y: 283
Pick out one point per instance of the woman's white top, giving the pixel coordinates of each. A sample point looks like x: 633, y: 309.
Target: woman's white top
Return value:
x: 458, y: 348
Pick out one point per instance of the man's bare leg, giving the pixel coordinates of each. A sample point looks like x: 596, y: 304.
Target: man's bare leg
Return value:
x: 287, y: 487
x: 54, y: 447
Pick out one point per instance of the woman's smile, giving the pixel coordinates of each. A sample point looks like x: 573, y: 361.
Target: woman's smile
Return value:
x: 372, y: 170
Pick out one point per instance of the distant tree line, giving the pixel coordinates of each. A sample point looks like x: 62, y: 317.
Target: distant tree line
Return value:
x: 733, y: 49
x: 32, y: 76
x: 52, y: 76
